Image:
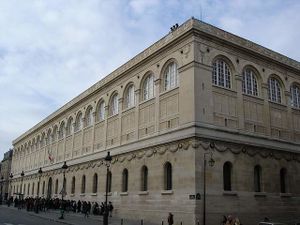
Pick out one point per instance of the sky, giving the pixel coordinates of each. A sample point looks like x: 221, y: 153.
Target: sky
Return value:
x: 53, y: 50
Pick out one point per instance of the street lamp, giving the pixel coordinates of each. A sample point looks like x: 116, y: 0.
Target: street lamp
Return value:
x: 2, y: 178
x: 107, y: 159
x: 211, y: 163
x: 40, y: 171
x: 22, y: 175
x: 64, y: 167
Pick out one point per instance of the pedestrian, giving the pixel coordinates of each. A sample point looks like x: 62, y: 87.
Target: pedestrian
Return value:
x: 110, y: 208
x: 170, y: 219
x: 224, y: 220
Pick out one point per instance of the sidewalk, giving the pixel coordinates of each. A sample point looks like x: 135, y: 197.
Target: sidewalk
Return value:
x: 72, y: 218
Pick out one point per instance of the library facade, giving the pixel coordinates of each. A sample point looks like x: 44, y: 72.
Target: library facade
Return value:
x: 201, y: 114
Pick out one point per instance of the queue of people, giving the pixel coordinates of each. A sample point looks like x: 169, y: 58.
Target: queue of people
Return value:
x: 43, y: 205
x: 230, y: 220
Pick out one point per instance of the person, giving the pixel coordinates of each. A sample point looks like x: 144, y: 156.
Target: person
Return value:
x: 170, y: 219
x: 224, y: 220
x: 266, y: 219
x: 110, y: 208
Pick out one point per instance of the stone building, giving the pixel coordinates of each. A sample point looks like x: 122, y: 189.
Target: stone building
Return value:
x: 197, y: 92
x: 5, y: 168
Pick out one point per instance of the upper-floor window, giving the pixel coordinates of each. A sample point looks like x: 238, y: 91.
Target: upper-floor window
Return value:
x: 61, y: 130
x: 114, y: 105
x: 83, y: 181
x: 168, y: 176
x: 125, y: 180
x: 95, y: 183
x: 221, y: 74
x: 171, y: 76
x: 148, y: 87
x: 295, y: 96
x: 78, y: 122
x: 227, y: 174
x: 43, y: 140
x: 48, y: 138
x: 89, y: 116
x: 274, y: 90
x: 283, y: 175
x: 101, y: 111
x: 257, y: 178
x: 70, y: 126
x: 249, y: 82
x: 144, y: 178
x: 54, y: 134
x: 73, y: 186
x: 129, y: 97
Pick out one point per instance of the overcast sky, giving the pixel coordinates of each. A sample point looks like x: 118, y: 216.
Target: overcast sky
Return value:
x: 52, y: 50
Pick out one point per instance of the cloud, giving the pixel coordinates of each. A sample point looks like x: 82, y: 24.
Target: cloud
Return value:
x: 52, y: 50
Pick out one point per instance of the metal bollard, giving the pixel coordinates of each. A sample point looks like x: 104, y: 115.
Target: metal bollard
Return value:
x: 142, y: 222
x: 121, y: 221
x: 162, y: 222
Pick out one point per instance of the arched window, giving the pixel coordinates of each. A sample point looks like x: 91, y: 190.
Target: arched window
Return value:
x: 221, y: 74
x: 109, y: 181
x: 295, y: 96
x: 95, y: 183
x: 32, y: 191
x: 249, y: 82
x: 148, y: 87
x: 129, y: 100
x: 54, y: 134
x: 125, y: 180
x: 56, y: 187
x: 48, y: 138
x: 83, y: 184
x: 78, y: 122
x: 70, y: 126
x: 257, y: 178
x: 61, y: 130
x: 170, y: 76
x: 73, y: 186
x: 144, y: 178
x: 114, y: 105
x: 283, y: 174
x: 227, y: 172
x: 89, y: 116
x: 28, y: 189
x: 168, y: 176
x: 101, y: 111
x: 274, y: 90
x: 43, y: 140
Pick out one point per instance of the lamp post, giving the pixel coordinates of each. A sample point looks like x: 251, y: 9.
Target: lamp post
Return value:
x: 211, y: 163
x: 2, y: 178
x: 22, y: 176
x: 64, y: 167
x: 38, y: 189
x: 107, y: 159
x: 11, y: 177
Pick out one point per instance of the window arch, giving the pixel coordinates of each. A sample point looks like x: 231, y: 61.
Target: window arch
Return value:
x: 168, y: 176
x: 48, y: 138
x: 129, y: 99
x: 250, y: 82
x: 73, y: 186
x: 83, y: 184
x: 221, y: 74
x: 144, y: 178
x: 78, y: 122
x: 89, y: 116
x: 125, y: 180
x: 295, y: 96
x: 56, y: 187
x: 69, y: 129
x: 95, y: 183
x: 170, y: 76
x: 43, y: 140
x: 114, y: 105
x: 274, y: 90
x: 227, y: 175
x: 283, y: 174
x: 148, y: 87
x: 54, y: 134
x: 101, y: 111
x: 61, y: 132
x: 257, y: 178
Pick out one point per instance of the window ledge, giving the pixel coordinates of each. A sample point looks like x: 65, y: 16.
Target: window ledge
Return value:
x: 112, y: 116
x: 123, y: 193
x: 260, y: 194
x: 167, y: 192
x: 82, y: 194
x: 72, y: 195
x: 285, y: 195
x: 230, y: 193
x: 108, y: 194
x: 94, y: 194
x: 128, y: 109
x: 143, y: 192
x: 163, y: 92
x: 147, y: 100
